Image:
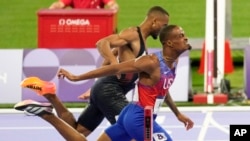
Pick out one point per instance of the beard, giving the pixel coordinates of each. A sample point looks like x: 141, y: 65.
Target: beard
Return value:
x: 154, y: 37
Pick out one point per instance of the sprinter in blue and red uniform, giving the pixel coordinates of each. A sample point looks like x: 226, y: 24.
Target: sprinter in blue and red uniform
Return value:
x: 156, y: 75
x: 108, y: 93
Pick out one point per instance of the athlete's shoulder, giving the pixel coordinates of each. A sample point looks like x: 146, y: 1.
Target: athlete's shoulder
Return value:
x: 131, y: 29
x: 129, y: 34
x: 151, y: 59
x: 153, y: 56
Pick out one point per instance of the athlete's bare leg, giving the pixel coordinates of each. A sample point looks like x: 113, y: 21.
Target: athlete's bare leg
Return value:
x: 45, y: 111
x: 65, y: 114
x: 48, y: 90
x: 69, y: 133
x: 104, y: 137
x: 61, y: 110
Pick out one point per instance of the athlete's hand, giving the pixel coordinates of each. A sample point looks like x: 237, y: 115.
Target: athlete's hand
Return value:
x: 187, y: 122
x: 62, y: 73
x: 113, y: 63
x: 85, y: 95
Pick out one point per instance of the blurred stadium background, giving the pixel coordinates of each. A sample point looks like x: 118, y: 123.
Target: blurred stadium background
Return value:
x: 18, y: 28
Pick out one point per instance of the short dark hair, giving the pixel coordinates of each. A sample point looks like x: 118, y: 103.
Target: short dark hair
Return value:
x: 165, y: 32
x: 157, y: 9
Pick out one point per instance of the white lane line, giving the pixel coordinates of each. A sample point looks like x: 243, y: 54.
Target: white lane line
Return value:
x: 25, y: 128
x: 205, y: 126
x: 219, y: 126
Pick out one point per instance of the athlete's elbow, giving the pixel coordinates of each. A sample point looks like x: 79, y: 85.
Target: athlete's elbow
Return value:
x: 98, y: 43
x: 101, y: 44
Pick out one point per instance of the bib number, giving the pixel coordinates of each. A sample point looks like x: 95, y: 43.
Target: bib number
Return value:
x: 159, y: 137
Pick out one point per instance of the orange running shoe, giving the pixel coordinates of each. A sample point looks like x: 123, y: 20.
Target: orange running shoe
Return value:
x: 39, y: 86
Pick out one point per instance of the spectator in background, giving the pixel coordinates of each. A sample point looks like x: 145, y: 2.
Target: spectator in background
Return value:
x: 86, y: 4
x: 89, y: 4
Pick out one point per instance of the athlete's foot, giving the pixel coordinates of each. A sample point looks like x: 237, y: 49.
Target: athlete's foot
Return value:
x: 34, y: 107
x: 85, y: 96
x: 39, y: 86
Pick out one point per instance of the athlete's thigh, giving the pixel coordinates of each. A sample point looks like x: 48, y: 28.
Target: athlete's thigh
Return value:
x: 111, y: 101
x: 159, y: 134
x: 117, y: 131
x: 91, y: 117
x: 134, y: 121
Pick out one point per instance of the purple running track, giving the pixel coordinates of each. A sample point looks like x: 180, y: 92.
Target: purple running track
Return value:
x: 209, y: 126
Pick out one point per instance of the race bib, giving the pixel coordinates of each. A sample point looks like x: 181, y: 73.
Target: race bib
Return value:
x: 158, y: 103
x: 159, y: 137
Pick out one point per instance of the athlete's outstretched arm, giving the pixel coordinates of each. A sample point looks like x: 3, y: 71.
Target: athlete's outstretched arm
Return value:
x: 187, y: 122
x: 144, y: 63
x: 169, y: 101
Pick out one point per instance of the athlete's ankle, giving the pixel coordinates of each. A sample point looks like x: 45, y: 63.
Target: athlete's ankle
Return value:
x: 49, y: 96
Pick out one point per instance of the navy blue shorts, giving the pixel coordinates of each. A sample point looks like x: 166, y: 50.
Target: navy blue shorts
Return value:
x: 130, y: 125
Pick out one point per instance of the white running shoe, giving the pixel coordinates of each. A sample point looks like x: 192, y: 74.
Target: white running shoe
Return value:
x: 34, y: 107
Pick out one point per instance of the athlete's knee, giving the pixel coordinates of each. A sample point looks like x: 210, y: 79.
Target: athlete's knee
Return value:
x: 83, y: 130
